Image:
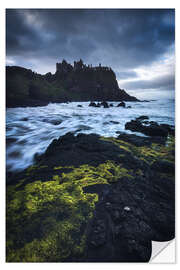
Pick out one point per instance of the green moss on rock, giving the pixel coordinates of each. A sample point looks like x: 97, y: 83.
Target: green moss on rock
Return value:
x: 47, y: 220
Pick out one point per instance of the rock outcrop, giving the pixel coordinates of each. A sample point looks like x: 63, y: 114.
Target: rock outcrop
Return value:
x: 92, y: 199
x: 121, y: 104
x: 149, y: 128
x: 78, y: 82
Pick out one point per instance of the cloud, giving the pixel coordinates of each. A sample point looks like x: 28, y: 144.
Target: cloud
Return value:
x: 126, y: 74
x: 161, y: 83
x: 159, y: 75
x: 125, y: 39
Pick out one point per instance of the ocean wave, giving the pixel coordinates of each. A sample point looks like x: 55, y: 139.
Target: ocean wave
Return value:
x: 30, y: 130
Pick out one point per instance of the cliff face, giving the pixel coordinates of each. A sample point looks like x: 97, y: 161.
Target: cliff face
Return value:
x: 76, y: 82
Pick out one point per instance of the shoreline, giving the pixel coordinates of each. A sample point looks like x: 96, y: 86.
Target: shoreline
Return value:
x: 35, y: 103
x: 37, y: 127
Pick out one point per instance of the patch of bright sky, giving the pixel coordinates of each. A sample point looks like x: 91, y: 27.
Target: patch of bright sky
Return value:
x: 32, y: 19
x: 164, y: 66
x: 152, y: 94
x: 10, y: 61
x: 36, y: 65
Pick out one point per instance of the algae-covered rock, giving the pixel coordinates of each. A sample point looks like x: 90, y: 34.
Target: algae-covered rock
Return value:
x: 92, y: 199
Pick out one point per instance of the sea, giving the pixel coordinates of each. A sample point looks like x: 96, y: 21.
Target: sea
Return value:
x: 30, y: 130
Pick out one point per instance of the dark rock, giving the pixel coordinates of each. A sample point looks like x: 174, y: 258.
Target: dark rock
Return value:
x: 70, y: 150
x: 152, y: 123
x: 116, y: 214
x: 142, y: 117
x: 145, y: 122
x: 80, y: 106
x: 153, y: 129
x: 92, y: 104
x: 53, y: 122
x: 108, y: 205
x: 105, y: 104
x: 134, y: 125
x: 101, y: 189
x: 98, y: 233
x: 163, y: 166
x: 111, y: 105
x: 130, y: 213
x: 141, y: 141
x: 56, y: 122
x: 121, y: 104
x: 169, y: 128
x: 128, y: 107
x: 24, y: 119
x: 131, y: 223
x: 114, y: 122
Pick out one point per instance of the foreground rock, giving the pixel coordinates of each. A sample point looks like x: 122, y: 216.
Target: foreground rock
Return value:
x: 150, y: 128
x: 92, y: 199
x: 141, y: 141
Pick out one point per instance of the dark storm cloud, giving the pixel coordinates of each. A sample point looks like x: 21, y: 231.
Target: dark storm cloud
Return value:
x: 128, y: 37
x: 20, y: 37
x: 121, y: 38
x: 126, y: 74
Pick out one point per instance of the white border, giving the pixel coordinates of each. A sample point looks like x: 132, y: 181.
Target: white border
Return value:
x: 71, y: 4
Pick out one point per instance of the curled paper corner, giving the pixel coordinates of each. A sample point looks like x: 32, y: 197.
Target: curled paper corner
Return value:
x: 163, y: 252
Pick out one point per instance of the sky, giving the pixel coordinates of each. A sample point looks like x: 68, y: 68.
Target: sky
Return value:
x: 138, y: 44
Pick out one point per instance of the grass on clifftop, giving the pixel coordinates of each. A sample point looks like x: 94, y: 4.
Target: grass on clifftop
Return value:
x: 47, y: 220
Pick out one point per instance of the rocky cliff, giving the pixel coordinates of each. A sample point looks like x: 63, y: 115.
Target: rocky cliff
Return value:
x: 78, y: 82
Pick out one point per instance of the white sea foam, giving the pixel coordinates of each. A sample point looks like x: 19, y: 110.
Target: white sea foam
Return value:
x: 25, y: 137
